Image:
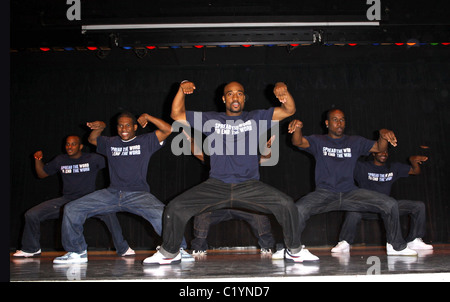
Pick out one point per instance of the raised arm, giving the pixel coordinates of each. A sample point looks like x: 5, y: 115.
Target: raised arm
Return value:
x: 97, y: 128
x: 178, y: 112
x: 164, y: 129
x: 297, y: 139
x: 416, y: 161
x: 39, y: 165
x: 386, y: 137
x: 287, y: 107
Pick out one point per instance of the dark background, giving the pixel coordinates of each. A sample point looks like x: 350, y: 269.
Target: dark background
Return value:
x: 406, y: 89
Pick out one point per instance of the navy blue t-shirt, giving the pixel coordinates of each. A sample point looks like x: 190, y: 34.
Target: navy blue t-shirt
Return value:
x: 232, y: 142
x: 78, y: 174
x: 336, y: 160
x: 128, y: 160
x: 379, y: 178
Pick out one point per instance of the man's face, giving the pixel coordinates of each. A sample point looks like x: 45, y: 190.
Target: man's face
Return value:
x: 336, y: 124
x: 234, y: 98
x: 125, y: 128
x: 380, y: 157
x: 73, y: 146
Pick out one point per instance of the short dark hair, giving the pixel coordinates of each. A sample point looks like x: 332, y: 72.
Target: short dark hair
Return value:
x: 332, y: 110
x: 127, y: 114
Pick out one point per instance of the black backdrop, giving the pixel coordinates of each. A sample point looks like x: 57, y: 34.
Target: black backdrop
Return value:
x: 404, y: 89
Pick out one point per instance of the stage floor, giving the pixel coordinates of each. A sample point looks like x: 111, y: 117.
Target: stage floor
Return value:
x: 368, y: 263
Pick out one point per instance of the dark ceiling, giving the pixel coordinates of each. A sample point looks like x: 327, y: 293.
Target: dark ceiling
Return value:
x: 36, y: 23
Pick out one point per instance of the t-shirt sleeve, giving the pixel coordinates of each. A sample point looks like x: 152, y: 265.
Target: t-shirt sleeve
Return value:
x: 101, y: 145
x: 402, y: 169
x: 154, y: 143
x: 53, y: 166
x: 366, y: 145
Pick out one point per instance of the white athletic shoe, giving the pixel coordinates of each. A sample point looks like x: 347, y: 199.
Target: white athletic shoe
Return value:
x: 303, y: 255
x: 129, y: 252
x: 159, y: 258
x: 20, y: 253
x: 405, y: 252
x: 418, y: 244
x: 341, y: 247
x: 72, y: 257
x: 278, y: 255
x: 185, y: 256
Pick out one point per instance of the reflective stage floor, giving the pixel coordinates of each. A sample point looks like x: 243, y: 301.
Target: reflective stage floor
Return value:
x: 368, y: 263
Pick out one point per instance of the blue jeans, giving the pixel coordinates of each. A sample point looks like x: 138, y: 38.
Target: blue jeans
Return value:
x: 260, y: 225
x: 358, y: 200
x: 102, y: 202
x: 214, y: 194
x: 415, y: 209
x: 51, y: 209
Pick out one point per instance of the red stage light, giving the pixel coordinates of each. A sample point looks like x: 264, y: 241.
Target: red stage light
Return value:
x: 352, y: 44
x: 198, y: 46
x: 399, y: 44
x: 150, y: 47
x: 92, y: 47
x: 44, y: 48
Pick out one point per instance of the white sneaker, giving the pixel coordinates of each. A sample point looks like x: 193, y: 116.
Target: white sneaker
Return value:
x: 129, y: 252
x: 303, y: 255
x: 405, y: 252
x: 199, y: 252
x: 341, y: 247
x: 72, y: 257
x: 278, y: 255
x: 265, y: 251
x: 159, y: 258
x: 185, y: 256
x: 418, y: 244
x: 20, y: 253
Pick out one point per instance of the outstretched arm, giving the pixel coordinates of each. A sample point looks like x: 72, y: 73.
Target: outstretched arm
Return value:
x: 178, y: 104
x: 195, y: 149
x: 386, y: 137
x: 164, y: 129
x: 295, y: 127
x: 39, y: 165
x: 416, y: 161
x: 97, y: 128
x: 287, y: 107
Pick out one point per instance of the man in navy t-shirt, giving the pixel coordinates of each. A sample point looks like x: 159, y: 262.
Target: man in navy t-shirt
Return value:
x: 378, y: 175
x: 78, y: 172
x: 232, y: 144
x: 336, y: 155
x: 128, y: 158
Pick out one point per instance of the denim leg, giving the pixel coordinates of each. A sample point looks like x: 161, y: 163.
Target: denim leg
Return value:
x: 76, y: 212
x: 210, y: 195
x: 349, y: 227
x: 50, y: 209
x: 416, y: 210
x: 361, y: 200
x: 351, y: 222
x: 115, y: 229
x: 145, y: 205
x: 260, y: 225
x: 257, y: 196
x: 316, y: 202
x: 202, y: 223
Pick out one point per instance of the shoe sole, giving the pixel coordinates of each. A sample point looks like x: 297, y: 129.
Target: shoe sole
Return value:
x: 70, y: 261
x: 168, y: 262
x: 23, y: 256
